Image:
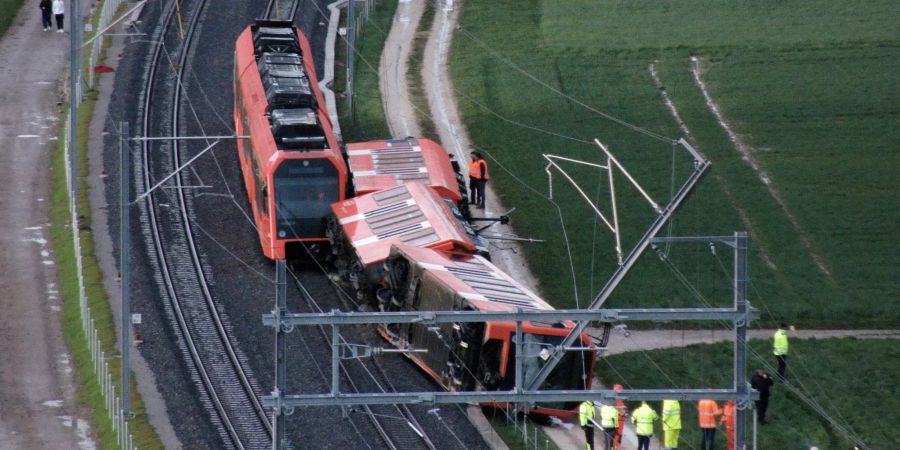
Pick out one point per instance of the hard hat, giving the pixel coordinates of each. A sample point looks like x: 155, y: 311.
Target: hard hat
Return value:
x: 617, y: 387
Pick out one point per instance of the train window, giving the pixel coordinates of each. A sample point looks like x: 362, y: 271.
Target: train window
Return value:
x: 304, y: 192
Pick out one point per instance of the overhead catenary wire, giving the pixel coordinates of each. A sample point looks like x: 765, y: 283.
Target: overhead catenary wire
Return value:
x: 805, y: 397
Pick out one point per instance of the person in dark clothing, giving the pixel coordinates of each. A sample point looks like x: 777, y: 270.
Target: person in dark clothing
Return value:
x: 762, y: 383
x: 46, y: 13
x: 478, y: 178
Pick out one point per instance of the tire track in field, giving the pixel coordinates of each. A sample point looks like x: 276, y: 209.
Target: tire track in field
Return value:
x: 742, y: 213
x: 744, y: 150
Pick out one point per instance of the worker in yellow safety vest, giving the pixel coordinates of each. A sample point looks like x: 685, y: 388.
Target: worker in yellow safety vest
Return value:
x: 586, y: 419
x: 671, y: 423
x: 780, y: 349
x: 643, y: 419
x: 478, y: 178
x: 609, y: 421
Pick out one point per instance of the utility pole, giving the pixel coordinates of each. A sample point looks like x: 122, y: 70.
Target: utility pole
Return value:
x: 278, y: 424
x: 74, y: 90
x: 124, y: 258
x: 740, y: 335
x: 351, y: 45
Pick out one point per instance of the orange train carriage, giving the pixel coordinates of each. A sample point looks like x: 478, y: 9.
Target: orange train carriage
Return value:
x: 378, y: 165
x: 475, y: 356
x: 363, y: 229
x: 292, y: 164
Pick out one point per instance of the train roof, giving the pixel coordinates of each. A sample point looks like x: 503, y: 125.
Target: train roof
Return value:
x: 250, y: 58
x: 378, y: 165
x: 483, y: 285
x: 411, y: 213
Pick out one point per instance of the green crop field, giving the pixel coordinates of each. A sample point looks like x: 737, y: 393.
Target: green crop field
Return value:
x: 810, y: 88
x: 840, y: 375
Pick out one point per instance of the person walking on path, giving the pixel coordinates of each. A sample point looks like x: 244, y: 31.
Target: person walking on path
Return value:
x: 671, y: 423
x: 707, y: 411
x: 728, y: 420
x: 46, y: 10
x: 643, y: 419
x: 623, y: 412
x: 761, y: 382
x: 780, y: 349
x: 586, y: 418
x: 609, y: 421
x: 59, y: 11
x: 478, y: 178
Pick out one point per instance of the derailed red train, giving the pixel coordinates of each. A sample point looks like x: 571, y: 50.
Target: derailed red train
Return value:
x: 402, y: 243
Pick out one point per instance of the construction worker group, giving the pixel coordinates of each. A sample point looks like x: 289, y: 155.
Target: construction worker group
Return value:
x: 612, y: 419
x: 709, y: 415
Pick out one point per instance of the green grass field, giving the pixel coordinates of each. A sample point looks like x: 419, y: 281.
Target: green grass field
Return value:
x: 366, y: 120
x: 842, y: 375
x: 811, y: 88
x: 10, y: 8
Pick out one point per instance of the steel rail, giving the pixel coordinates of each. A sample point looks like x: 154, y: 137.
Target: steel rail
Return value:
x: 228, y: 430
x: 385, y: 428
x: 195, y: 256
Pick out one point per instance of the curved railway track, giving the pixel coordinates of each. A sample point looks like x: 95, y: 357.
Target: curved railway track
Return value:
x: 233, y: 405
x: 228, y: 392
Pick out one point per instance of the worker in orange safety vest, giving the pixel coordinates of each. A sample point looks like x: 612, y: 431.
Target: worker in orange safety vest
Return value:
x: 478, y: 178
x: 623, y: 413
x: 707, y: 411
x: 728, y: 419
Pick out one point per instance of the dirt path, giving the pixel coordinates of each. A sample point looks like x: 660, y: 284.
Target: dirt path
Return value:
x: 393, y: 67
x: 454, y: 138
x: 36, y: 387
x: 659, y: 339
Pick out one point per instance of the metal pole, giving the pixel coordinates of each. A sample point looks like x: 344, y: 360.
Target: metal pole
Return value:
x: 124, y: 257
x: 335, y: 359
x: 740, y: 334
x: 278, y: 422
x: 74, y: 98
x: 754, y: 428
x: 623, y: 269
x: 519, y: 358
x: 351, y: 30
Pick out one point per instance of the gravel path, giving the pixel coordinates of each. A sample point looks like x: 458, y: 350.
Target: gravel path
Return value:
x: 398, y: 109
x: 659, y: 339
x: 36, y: 387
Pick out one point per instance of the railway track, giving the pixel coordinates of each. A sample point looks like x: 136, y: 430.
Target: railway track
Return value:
x: 396, y: 424
x: 228, y: 391
x: 218, y: 371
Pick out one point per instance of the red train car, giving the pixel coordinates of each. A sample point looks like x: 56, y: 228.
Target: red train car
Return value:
x: 475, y: 356
x: 364, y: 228
x: 292, y: 164
x: 379, y: 165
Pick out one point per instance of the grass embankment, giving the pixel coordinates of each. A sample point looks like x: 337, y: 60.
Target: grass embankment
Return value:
x: 842, y: 375
x: 10, y: 8
x: 811, y: 88
x: 366, y: 120
x: 414, y: 76
x: 89, y: 392
x: 514, y: 435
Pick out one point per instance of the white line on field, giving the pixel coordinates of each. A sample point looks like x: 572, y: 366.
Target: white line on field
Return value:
x: 744, y: 150
x: 742, y: 213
